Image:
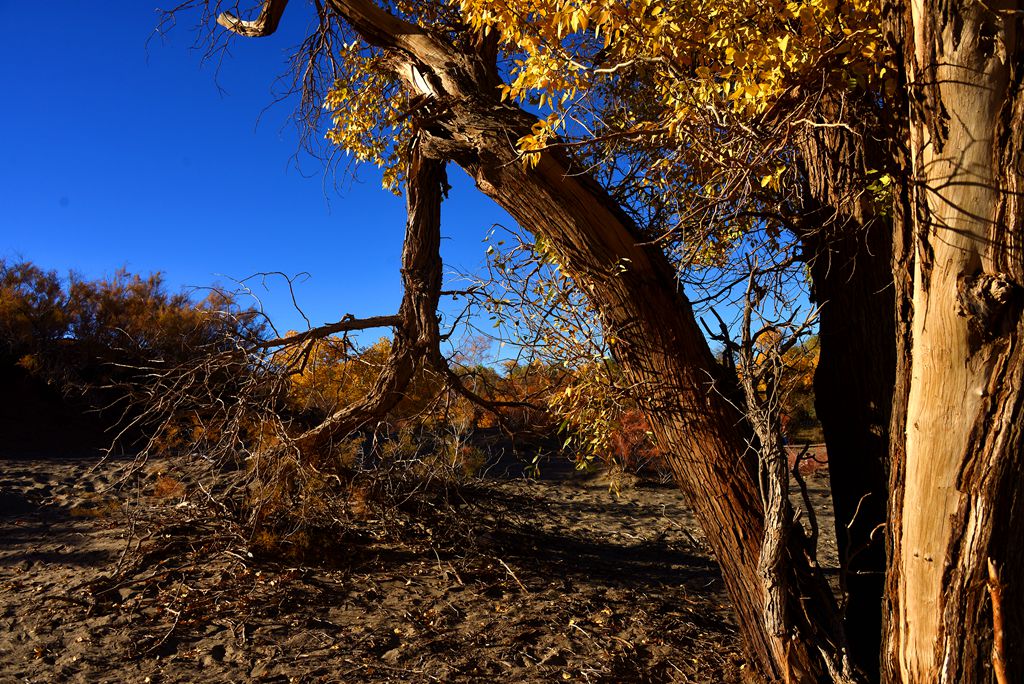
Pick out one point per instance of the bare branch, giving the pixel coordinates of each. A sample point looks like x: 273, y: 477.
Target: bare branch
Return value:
x: 383, y: 29
x: 263, y: 25
x: 347, y: 324
x: 416, y: 330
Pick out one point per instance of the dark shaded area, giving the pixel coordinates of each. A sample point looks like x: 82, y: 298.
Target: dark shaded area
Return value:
x: 36, y: 418
x: 14, y: 504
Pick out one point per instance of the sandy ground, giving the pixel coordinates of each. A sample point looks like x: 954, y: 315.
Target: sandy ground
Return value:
x: 565, y: 581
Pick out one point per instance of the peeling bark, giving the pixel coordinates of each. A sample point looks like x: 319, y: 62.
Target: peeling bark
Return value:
x: 959, y: 487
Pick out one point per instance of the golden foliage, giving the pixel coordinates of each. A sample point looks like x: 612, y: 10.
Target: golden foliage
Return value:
x: 329, y: 374
x: 366, y: 107
x: 700, y: 101
x: 737, y: 57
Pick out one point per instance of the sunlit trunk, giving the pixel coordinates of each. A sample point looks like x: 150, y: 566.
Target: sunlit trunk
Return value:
x: 954, y: 590
x: 681, y: 388
x: 630, y: 282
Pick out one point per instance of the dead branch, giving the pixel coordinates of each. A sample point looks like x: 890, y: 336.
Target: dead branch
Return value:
x: 416, y: 331
x: 346, y: 324
x: 760, y: 365
x: 805, y: 496
x: 995, y: 590
x: 263, y: 25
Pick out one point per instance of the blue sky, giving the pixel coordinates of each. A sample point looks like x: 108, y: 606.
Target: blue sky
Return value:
x: 118, y: 153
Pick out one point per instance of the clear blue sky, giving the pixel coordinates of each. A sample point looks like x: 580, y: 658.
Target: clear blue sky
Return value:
x: 118, y: 153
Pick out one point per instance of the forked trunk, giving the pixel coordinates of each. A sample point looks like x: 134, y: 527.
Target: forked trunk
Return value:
x: 955, y: 587
x: 416, y: 332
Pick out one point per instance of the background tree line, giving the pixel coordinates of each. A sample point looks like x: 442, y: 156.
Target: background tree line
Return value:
x: 73, y: 349
x: 70, y: 348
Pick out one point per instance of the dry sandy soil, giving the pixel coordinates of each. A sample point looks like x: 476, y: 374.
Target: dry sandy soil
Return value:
x: 564, y: 580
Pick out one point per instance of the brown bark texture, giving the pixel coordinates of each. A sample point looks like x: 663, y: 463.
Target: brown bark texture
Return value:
x: 633, y: 287
x: 677, y: 381
x: 847, y: 235
x: 955, y: 601
x: 416, y: 328
x: 894, y: 16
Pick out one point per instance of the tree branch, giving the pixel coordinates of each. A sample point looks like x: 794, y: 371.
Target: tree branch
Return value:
x: 347, y: 324
x: 263, y: 25
x: 385, y: 30
x: 416, y: 329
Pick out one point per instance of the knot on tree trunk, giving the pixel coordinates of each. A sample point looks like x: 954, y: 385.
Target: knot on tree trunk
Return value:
x: 989, y: 302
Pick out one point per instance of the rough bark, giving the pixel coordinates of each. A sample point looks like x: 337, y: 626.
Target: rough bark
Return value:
x: 263, y: 25
x: 959, y: 488
x: 760, y: 373
x: 416, y: 328
x: 902, y: 269
x: 676, y: 379
x: 666, y: 359
x: 633, y: 287
x: 849, y: 242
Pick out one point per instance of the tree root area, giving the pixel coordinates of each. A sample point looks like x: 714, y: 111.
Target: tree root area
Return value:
x: 561, y: 580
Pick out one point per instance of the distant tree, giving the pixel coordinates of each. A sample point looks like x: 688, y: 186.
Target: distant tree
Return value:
x: 33, y: 312
x: 95, y: 340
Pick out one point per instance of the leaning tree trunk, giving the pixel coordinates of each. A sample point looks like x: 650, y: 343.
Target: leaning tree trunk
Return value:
x: 633, y: 287
x: 848, y: 244
x: 677, y: 381
x: 956, y: 594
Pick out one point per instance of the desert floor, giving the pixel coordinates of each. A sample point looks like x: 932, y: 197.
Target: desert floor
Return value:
x: 566, y: 580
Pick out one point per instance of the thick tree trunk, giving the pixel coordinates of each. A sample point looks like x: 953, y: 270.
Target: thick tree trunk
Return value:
x: 659, y: 344
x: 894, y: 17
x: 633, y: 287
x: 853, y: 389
x: 666, y: 358
x: 848, y: 243
x: 956, y: 600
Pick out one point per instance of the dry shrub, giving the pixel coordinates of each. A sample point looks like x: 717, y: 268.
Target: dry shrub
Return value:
x: 456, y: 454
x: 632, y: 446
x: 229, y: 416
x: 167, y: 487
x: 813, y: 459
x: 469, y: 459
x: 96, y: 506
x: 325, y: 507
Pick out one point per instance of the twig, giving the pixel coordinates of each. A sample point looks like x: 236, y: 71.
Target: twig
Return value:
x: 347, y: 324
x: 995, y: 591
x: 521, y: 585
x: 174, y: 625
x: 805, y: 496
